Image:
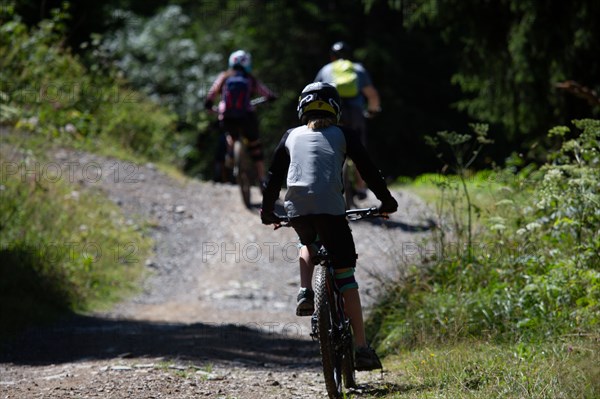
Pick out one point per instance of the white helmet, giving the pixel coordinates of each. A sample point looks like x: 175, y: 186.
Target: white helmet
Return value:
x: 241, y: 58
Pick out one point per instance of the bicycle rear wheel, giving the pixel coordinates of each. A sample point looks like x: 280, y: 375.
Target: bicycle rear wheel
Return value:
x: 331, y: 361
x: 244, y: 172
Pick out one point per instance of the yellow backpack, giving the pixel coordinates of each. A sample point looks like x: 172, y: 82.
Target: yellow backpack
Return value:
x: 345, y: 78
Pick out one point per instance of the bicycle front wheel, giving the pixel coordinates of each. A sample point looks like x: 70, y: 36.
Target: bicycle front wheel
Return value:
x: 331, y: 361
x: 348, y: 373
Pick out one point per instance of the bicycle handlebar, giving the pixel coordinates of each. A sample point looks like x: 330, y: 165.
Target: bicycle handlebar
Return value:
x: 351, y: 214
x: 259, y: 100
x: 254, y: 102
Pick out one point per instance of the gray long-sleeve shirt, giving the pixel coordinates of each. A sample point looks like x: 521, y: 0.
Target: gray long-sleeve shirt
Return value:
x: 311, y: 162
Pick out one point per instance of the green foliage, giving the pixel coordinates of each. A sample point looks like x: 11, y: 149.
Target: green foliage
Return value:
x: 533, y: 269
x: 50, y: 93
x: 64, y: 248
x: 287, y: 53
x: 569, y: 195
x: 159, y: 58
x: 512, y: 55
x: 497, y: 61
x: 479, y: 370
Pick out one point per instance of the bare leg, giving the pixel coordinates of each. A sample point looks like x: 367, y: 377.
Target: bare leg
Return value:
x: 353, y: 309
x: 306, y: 268
x: 359, y: 182
x: 260, y: 170
x: 256, y: 150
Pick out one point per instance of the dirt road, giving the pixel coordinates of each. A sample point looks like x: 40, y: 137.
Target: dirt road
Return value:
x: 215, y: 317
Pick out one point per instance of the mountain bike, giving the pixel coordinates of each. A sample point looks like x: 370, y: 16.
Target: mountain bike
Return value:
x: 243, y: 168
x: 330, y: 325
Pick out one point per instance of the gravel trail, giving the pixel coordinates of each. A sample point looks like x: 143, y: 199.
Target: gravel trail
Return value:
x: 215, y: 315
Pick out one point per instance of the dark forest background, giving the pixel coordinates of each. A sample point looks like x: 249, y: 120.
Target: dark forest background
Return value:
x: 521, y: 66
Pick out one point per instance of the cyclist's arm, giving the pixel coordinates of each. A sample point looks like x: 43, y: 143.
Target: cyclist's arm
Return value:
x: 368, y: 89
x: 373, y: 102
x: 367, y: 169
x: 215, y: 90
x: 216, y: 87
x: 276, y: 175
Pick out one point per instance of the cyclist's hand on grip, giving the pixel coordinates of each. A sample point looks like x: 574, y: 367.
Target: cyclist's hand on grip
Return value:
x: 389, y: 205
x: 372, y: 112
x: 268, y: 217
x: 208, y: 104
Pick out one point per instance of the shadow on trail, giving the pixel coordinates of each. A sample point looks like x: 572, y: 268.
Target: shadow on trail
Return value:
x: 384, y: 389
x: 392, y: 224
x: 92, y: 338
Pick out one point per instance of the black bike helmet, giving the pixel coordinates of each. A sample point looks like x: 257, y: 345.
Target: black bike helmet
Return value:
x: 319, y: 99
x: 341, y: 50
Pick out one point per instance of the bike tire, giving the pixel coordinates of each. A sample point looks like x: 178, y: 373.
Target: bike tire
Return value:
x: 331, y: 361
x: 348, y: 373
x: 244, y: 176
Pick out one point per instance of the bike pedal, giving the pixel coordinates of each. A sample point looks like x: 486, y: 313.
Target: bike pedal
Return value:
x: 304, y: 312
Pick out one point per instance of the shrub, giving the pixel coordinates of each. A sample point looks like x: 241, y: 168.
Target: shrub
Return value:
x: 51, y: 93
x: 533, y: 273
x: 62, y: 249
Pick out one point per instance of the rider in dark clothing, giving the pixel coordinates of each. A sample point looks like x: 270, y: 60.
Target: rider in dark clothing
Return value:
x: 353, y: 102
x: 310, y: 159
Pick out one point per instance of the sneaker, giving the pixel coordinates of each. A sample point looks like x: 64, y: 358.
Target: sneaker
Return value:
x: 365, y: 359
x: 306, y: 302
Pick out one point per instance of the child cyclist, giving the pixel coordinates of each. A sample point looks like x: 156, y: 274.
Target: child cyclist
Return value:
x: 310, y: 159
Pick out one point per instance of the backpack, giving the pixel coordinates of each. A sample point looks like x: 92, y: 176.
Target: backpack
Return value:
x: 345, y: 78
x: 236, y: 95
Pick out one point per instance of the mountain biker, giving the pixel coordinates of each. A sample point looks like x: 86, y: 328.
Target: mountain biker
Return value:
x: 310, y: 159
x: 354, y: 85
x: 236, y: 86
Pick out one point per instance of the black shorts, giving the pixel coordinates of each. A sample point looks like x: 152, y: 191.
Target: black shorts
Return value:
x: 246, y: 127
x: 333, y: 232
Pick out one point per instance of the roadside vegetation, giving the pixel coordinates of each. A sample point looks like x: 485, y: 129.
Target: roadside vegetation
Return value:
x: 65, y: 247
x: 48, y: 92
x: 509, y: 295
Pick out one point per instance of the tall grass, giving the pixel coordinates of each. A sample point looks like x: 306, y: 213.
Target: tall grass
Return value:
x: 48, y: 91
x: 479, y: 370
x: 532, y: 273
x: 63, y: 248
x: 514, y: 310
